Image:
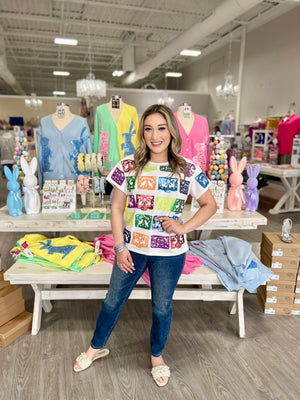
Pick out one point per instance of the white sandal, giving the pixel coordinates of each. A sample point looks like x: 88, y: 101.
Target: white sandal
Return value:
x: 159, y: 372
x: 84, y: 362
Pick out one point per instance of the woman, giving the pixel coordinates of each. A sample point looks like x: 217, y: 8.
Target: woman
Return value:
x: 156, y: 180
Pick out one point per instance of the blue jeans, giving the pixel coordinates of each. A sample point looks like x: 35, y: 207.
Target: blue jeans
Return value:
x: 164, y: 273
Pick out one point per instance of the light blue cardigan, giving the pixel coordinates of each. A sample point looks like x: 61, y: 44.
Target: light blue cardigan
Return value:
x: 232, y: 260
x: 58, y: 150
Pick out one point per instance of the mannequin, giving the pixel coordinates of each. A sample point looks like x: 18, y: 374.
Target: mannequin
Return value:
x: 115, y: 107
x: 194, y: 133
x: 115, y: 131
x: 62, y: 116
x: 61, y: 137
x: 186, y: 117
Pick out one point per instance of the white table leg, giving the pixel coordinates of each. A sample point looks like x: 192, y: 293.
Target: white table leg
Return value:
x: 241, y: 319
x: 47, y: 306
x: 232, y: 308
x: 37, y: 309
x: 287, y: 201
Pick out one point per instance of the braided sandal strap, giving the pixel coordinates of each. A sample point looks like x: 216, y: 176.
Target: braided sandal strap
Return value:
x: 83, y: 361
x: 160, y: 370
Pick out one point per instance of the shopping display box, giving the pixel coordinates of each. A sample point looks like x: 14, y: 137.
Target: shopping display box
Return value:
x: 275, y: 298
x: 10, y: 295
x: 3, y: 283
x: 290, y: 263
x: 11, y: 312
x: 272, y: 245
x: 297, y: 298
x: 16, y: 327
x: 283, y: 275
x: 280, y: 287
x: 295, y: 309
x: 275, y: 309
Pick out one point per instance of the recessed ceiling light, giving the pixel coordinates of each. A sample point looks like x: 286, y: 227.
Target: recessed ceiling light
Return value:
x: 61, y: 73
x: 69, y: 42
x: 59, y: 93
x: 118, y: 73
x: 190, y: 53
x: 174, y: 74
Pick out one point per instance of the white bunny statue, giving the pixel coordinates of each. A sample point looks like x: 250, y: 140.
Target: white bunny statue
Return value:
x: 32, y: 201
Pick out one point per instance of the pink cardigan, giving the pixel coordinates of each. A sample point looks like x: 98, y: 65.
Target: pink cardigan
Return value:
x: 195, y: 145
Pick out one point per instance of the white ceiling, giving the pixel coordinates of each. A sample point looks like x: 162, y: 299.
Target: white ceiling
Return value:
x: 104, y: 30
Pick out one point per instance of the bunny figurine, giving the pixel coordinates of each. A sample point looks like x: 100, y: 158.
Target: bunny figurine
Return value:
x: 14, y: 200
x: 32, y: 201
x: 252, y: 193
x: 236, y: 197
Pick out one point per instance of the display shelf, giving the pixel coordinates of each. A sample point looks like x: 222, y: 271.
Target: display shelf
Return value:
x: 261, y: 140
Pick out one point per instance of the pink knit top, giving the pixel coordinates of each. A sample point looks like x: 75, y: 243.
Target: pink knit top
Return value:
x: 195, y: 145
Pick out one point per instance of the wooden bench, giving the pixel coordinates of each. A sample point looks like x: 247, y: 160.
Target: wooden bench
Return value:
x: 202, y: 284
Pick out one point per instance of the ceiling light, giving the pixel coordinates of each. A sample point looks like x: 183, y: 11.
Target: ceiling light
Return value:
x: 69, y: 42
x: 33, y: 102
x: 174, y: 74
x: 90, y: 87
x: 61, y: 73
x: 118, y: 73
x: 190, y: 53
x: 59, y: 93
x: 228, y: 89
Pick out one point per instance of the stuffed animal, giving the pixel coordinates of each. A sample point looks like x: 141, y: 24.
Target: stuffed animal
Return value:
x: 236, y: 197
x: 252, y: 193
x: 14, y: 200
x: 32, y: 201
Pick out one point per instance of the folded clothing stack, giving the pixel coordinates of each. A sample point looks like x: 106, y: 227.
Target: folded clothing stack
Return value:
x: 67, y: 253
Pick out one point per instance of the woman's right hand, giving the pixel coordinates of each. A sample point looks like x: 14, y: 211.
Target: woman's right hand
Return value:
x: 124, y: 261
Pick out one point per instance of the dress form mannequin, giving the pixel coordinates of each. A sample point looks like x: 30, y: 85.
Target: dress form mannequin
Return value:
x: 186, y: 117
x: 115, y: 131
x: 115, y: 107
x: 61, y: 137
x: 62, y: 116
x: 194, y: 132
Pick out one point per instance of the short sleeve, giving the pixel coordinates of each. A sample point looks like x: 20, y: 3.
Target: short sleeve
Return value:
x: 199, y: 182
x: 119, y: 176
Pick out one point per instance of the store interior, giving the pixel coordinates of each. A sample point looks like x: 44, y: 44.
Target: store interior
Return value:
x: 238, y: 97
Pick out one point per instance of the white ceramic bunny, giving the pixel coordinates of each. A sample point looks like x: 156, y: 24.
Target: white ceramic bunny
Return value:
x: 32, y: 201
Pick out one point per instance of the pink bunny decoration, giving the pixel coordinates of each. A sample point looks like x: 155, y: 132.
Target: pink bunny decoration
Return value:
x: 236, y: 197
x: 252, y: 193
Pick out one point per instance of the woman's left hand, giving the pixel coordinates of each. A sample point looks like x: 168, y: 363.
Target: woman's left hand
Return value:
x: 170, y: 225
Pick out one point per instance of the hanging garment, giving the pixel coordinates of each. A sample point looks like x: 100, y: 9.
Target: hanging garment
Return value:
x: 58, y: 149
x: 67, y: 253
x: 272, y: 123
x: 195, y: 144
x: 115, y: 141
x: 288, y: 127
x: 228, y: 126
x: 232, y: 260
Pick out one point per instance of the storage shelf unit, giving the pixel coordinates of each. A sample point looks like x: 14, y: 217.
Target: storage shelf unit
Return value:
x: 261, y: 139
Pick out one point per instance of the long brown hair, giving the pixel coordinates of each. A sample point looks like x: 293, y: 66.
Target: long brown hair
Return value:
x: 142, y: 153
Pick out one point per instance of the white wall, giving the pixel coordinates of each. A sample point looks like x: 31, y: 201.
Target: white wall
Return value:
x: 271, y: 71
x: 14, y: 106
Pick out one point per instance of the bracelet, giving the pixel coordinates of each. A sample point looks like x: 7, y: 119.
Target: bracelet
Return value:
x: 120, y: 247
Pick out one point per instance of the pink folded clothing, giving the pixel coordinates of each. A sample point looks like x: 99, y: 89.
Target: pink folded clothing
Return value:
x: 107, y: 246
x: 191, y: 263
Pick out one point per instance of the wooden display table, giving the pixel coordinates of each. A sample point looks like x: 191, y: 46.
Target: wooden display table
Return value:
x: 60, y: 222
x: 290, y: 178
x: 44, y: 280
x: 41, y: 279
